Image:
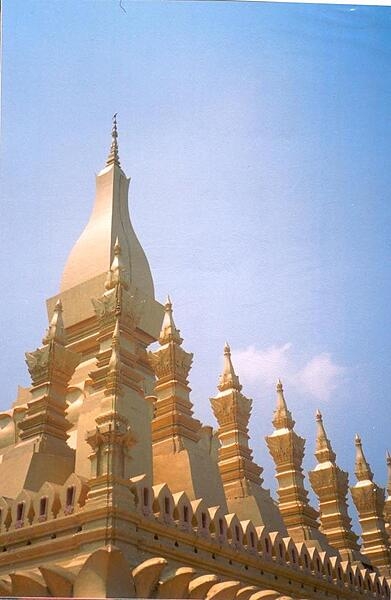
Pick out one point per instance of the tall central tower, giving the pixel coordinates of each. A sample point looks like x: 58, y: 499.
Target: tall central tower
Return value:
x: 106, y: 283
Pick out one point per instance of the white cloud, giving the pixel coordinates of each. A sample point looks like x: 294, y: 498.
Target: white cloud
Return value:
x: 319, y: 377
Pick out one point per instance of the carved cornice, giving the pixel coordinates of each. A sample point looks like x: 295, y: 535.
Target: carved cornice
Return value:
x: 232, y: 407
x: 332, y: 479
x: 51, y: 360
x: 119, y: 302
x: 110, y: 442
x: 112, y: 433
x: 286, y: 448
x: 368, y: 499
x: 171, y: 362
x: 38, y: 363
x: 51, y: 368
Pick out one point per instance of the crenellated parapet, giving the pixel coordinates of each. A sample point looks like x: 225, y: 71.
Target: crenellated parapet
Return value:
x: 330, y: 484
x: 176, y: 511
x: 369, y: 499
x: 287, y: 450
x: 29, y: 510
x: 258, y: 559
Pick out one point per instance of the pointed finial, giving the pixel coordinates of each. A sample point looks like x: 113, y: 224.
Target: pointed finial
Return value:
x: 114, y: 362
x: 362, y: 469
x: 117, y: 273
x: 56, y: 331
x: 388, y: 459
x: 116, y: 332
x: 113, y: 157
x: 228, y: 379
x: 282, y: 417
x: 324, y: 451
x: 169, y: 332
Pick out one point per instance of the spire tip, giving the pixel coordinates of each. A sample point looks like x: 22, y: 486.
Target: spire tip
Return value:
x: 55, y: 331
x: 58, y: 306
x: 169, y: 331
x: 113, y: 157
x: 228, y: 378
x: 117, y: 247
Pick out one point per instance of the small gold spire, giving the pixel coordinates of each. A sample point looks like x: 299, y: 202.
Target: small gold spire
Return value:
x: 228, y: 379
x: 56, y: 331
x: 117, y: 273
x: 113, y: 157
x: 388, y: 459
x: 282, y: 418
x: 362, y: 469
x: 114, y: 362
x: 324, y: 451
x: 169, y: 332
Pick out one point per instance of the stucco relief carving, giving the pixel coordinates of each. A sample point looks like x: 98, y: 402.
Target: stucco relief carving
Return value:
x: 368, y: 499
x: 38, y: 362
x: 116, y: 302
x: 171, y: 361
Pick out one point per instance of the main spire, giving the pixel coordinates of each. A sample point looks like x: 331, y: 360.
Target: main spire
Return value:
x: 113, y: 157
x: 108, y: 228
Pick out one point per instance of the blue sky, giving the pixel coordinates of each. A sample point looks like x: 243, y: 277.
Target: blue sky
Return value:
x: 257, y: 136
